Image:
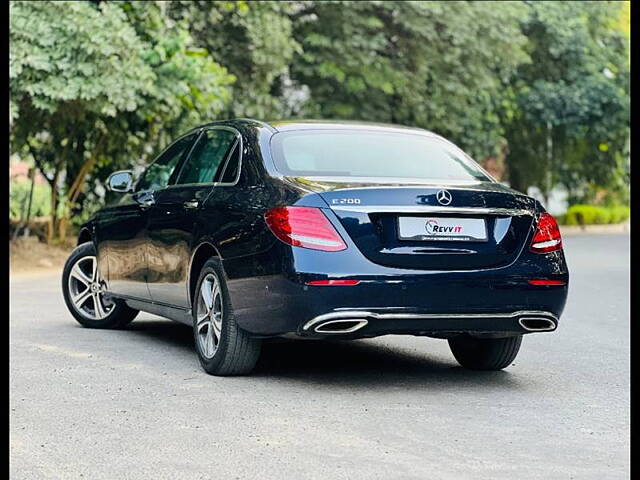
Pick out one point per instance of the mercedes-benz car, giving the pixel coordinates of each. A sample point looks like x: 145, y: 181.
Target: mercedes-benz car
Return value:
x: 248, y: 230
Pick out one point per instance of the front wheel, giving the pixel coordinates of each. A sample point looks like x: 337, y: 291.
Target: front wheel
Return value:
x: 485, y: 353
x: 84, y: 292
x: 223, y: 348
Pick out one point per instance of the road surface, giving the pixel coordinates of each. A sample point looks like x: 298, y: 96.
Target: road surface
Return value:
x: 135, y: 403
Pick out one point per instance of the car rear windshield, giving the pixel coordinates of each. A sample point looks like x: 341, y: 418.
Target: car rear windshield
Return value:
x: 354, y: 153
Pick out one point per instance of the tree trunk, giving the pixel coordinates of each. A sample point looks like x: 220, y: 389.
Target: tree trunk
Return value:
x: 53, y: 219
x: 74, y: 181
x: 549, y: 177
x: 53, y: 183
x: 32, y: 176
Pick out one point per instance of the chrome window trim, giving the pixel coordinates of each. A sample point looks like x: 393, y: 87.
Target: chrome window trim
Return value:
x: 238, y: 144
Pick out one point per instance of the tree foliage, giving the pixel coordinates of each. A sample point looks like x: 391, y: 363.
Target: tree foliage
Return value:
x: 96, y: 86
x: 254, y: 41
x: 437, y: 65
x: 569, y: 120
x: 102, y: 85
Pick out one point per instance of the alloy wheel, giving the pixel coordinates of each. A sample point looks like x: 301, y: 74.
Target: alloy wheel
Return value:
x: 209, y: 310
x: 87, y: 290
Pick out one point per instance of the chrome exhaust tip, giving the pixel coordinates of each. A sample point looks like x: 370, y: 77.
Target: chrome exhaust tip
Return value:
x: 340, y: 326
x: 537, y: 324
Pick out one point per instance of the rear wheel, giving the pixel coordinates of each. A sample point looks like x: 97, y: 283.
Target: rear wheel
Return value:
x: 84, y: 292
x: 223, y: 348
x: 485, y: 353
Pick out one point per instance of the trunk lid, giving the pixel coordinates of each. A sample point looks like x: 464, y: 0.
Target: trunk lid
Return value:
x: 377, y: 217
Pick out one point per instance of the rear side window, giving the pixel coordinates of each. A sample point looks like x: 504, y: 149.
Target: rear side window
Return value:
x: 208, y: 155
x: 230, y: 173
x: 358, y: 153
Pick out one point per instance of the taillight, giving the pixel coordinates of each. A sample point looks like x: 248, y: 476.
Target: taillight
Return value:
x: 547, y: 237
x: 543, y: 281
x: 304, y: 227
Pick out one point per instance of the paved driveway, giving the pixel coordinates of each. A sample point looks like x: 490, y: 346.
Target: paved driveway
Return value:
x: 135, y: 404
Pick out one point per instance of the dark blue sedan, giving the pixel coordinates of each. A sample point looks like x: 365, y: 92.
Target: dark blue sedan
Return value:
x: 247, y: 230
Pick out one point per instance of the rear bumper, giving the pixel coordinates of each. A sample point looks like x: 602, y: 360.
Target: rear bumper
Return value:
x: 490, y: 302
x: 278, y: 301
x: 365, y: 323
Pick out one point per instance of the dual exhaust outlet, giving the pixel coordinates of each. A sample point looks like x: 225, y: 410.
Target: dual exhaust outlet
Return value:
x: 345, y: 322
x: 536, y: 324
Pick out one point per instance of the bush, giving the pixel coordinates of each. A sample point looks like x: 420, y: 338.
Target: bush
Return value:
x: 595, y: 215
x: 620, y: 213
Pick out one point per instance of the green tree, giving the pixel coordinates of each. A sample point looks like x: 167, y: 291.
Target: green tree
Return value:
x: 103, y: 84
x: 568, y: 115
x: 438, y: 65
x: 254, y: 41
x: 96, y: 86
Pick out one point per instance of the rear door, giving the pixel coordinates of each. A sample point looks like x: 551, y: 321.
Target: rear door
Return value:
x: 172, y: 219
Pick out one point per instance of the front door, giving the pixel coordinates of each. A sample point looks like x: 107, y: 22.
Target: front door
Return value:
x: 120, y: 237
x: 121, y: 230
x: 172, y: 219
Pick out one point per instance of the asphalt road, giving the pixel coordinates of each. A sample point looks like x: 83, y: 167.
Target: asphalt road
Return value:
x: 135, y: 404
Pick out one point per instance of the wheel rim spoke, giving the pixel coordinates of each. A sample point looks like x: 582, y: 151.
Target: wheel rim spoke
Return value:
x: 99, y: 308
x: 209, y: 340
x: 206, y: 291
x: 202, y: 320
x: 79, y: 275
x: 81, y: 298
x: 94, y: 270
x: 215, y: 294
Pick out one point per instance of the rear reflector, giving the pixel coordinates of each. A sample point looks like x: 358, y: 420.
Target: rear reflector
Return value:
x: 546, y: 282
x: 304, y: 227
x: 547, y: 237
x: 333, y: 282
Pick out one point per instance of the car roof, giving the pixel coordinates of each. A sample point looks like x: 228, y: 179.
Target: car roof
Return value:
x: 289, y: 125
x: 293, y: 125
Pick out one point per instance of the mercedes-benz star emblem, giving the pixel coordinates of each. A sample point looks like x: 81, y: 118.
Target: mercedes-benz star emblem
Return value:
x: 443, y: 197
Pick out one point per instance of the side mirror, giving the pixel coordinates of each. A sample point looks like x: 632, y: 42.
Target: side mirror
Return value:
x: 120, y: 181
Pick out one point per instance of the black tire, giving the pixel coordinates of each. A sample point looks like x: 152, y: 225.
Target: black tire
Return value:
x: 485, y: 353
x: 119, y: 315
x: 236, y: 352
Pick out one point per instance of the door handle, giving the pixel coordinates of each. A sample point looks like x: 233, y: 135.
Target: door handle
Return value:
x: 146, y: 203
x: 191, y: 204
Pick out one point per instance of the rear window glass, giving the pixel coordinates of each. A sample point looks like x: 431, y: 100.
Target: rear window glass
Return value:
x: 207, y: 156
x: 351, y: 153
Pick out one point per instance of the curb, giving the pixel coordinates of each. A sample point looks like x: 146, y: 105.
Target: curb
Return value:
x: 589, y: 229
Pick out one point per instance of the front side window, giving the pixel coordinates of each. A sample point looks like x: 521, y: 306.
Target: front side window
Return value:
x: 208, y: 155
x: 357, y: 153
x: 159, y: 172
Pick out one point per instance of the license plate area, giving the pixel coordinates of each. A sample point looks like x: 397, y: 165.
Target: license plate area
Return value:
x: 457, y: 229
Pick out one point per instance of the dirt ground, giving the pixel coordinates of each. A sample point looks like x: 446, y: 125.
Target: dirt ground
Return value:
x: 30, y: 256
